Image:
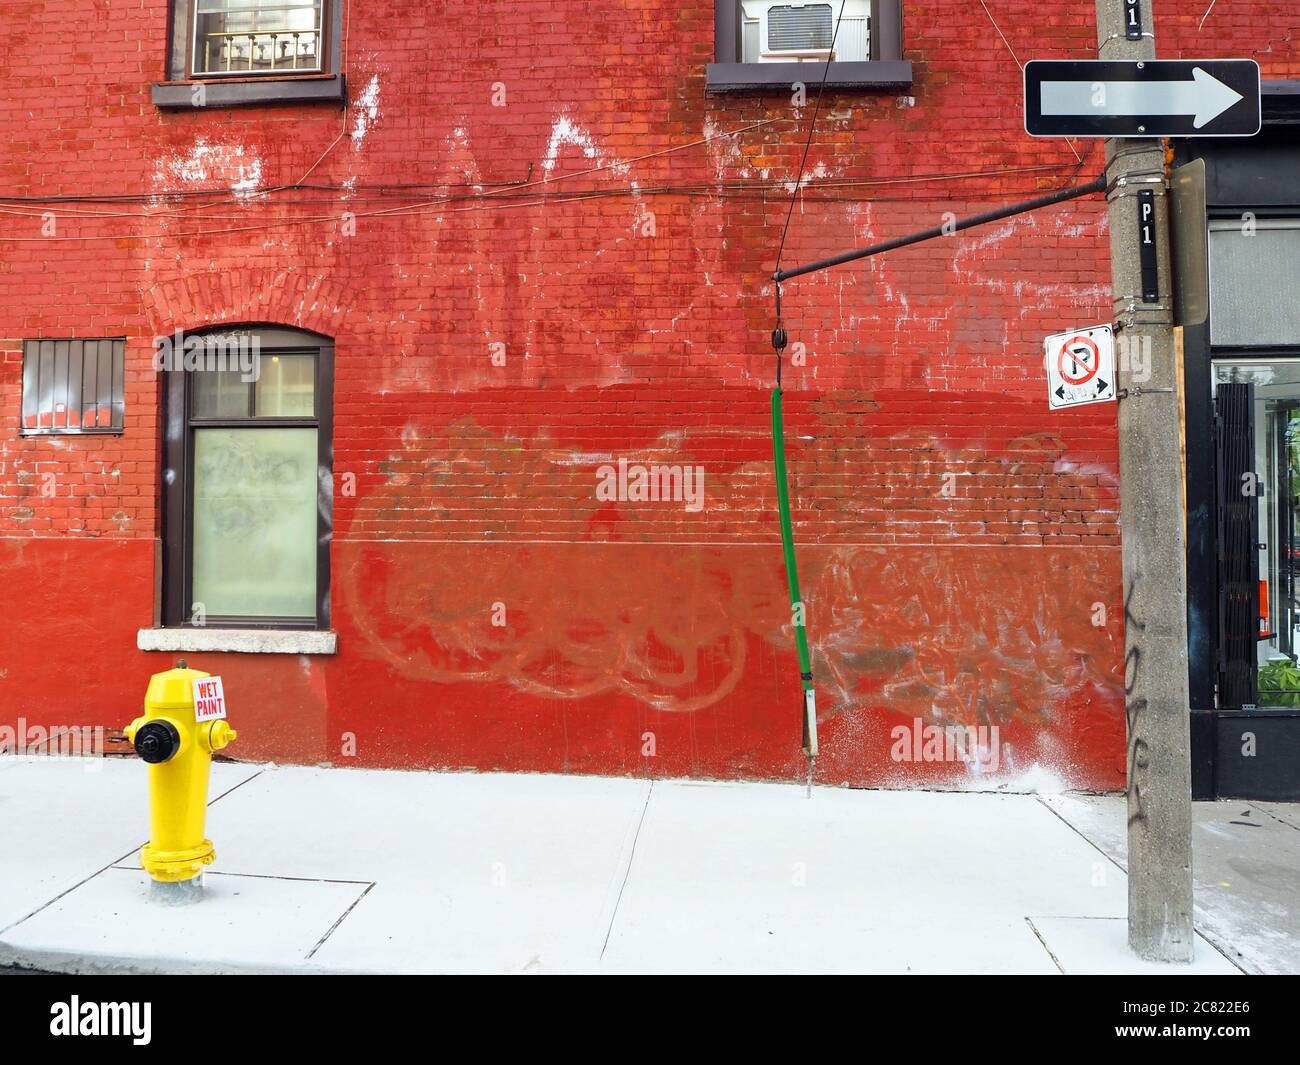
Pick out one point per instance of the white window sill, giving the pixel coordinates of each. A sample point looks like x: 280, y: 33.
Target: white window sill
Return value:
x: 248, y: 641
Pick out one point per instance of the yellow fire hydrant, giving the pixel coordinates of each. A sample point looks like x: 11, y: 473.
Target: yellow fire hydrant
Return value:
x: 177, y: 737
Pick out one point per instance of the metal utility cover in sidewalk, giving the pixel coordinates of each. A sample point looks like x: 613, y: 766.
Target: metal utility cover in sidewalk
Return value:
x: 1142, y: 98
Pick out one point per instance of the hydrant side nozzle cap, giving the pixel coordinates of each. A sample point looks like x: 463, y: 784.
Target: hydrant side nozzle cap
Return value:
x: 157, y: 741
x: 220, y: 734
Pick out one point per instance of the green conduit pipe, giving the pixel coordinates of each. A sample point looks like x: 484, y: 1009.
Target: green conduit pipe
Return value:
x: 797, y: 612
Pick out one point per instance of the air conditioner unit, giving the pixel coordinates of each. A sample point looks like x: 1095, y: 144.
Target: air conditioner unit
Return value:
x: 790, y: 31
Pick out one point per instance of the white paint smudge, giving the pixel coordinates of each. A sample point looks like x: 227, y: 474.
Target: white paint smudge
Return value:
x: 367, y: 109
x: 566, y: 131
x: 205, y: 164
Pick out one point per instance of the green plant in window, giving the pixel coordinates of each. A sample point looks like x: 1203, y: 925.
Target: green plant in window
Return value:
x: 1293, y: 456
x: 1279, y: 683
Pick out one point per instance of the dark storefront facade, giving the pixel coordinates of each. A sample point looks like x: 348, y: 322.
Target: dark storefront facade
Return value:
x: 1242, y: 378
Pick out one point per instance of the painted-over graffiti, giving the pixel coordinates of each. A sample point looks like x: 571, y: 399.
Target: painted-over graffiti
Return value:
x: 1135, y: 706
x: 964, y: 634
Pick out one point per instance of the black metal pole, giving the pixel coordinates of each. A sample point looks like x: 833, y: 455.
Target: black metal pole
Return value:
x: 944, y: 230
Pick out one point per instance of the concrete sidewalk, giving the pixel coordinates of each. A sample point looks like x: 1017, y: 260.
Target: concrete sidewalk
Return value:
x: 339, y: 870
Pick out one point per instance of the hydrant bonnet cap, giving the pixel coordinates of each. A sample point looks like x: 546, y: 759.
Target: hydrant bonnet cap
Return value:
x: 173, y: 689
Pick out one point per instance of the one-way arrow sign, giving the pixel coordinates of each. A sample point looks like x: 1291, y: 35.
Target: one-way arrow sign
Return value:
x: 1151, y: 98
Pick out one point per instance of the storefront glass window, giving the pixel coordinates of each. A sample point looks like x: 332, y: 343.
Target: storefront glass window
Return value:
x: 1276, y: 431
x: 1254, y: 265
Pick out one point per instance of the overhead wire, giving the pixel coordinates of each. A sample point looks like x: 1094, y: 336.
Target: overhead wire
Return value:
x: 817, y: 192
x: 502, y: 196
x: 407, y: 208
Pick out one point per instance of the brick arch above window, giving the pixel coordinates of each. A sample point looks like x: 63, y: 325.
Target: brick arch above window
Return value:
x: 296, y: 298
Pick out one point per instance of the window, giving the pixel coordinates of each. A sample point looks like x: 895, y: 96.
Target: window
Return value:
x: 247, y: 513
x: 775, y: 31
x: 1257, y: 403
x: 72, y: 386
x: 759, y: 45
x: 236, y: 52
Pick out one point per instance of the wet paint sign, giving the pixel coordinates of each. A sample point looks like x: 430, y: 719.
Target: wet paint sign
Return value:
x: 209, y: 699
x: 1080, y: 367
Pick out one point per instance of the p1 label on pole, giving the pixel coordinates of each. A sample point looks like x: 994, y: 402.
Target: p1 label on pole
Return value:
x: 1080, y: 367
x: 209, y: 699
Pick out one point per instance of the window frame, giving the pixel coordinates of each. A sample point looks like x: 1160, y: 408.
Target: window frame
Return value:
x: 178, y: 92
x: 885, y: 70
x: 177, y: 574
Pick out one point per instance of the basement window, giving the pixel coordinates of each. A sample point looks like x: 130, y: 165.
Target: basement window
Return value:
x: 769, y: 45
x: 72, y: 387
x: 227, y: 53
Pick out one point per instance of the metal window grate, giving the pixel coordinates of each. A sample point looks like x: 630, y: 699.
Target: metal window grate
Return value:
x: 72, y: 386
x: 799, y: 29
x: 1238, y: 531
x: 257, y: 37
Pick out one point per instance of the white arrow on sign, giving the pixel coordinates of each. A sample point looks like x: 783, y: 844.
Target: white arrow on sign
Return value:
x: 1205, y: 97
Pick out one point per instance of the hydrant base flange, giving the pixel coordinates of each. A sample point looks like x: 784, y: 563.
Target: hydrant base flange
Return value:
x: 171, y: 866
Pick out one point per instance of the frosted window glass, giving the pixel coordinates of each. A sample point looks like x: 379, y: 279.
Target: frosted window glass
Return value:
x: 1255, y: 283
x: 219, y: 394
x: 286, y: 387
x: 255, y: 522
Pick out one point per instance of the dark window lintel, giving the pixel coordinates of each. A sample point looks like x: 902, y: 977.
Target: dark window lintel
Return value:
x: 876, y: 75
x: 245, y: 92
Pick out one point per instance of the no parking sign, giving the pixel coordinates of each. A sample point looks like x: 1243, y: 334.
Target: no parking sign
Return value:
x: 1080, y: 367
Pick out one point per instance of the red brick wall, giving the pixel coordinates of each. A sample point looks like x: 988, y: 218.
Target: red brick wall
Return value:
x: 476, y: 482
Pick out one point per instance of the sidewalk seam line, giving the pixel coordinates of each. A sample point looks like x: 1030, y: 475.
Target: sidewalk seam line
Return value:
x: 631, y: 858
x: 1039, y: 936
x: 69, y: 891
x: 269, y: 876
x: 1208, y: 934
x: 236, y: 787
x: 1279, y: 820
x: 342, y: 917
x: 1121, y: 866
x: 46, y: 905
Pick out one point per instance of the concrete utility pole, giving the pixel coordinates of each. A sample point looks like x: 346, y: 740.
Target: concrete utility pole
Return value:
x: 1151, y: 517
